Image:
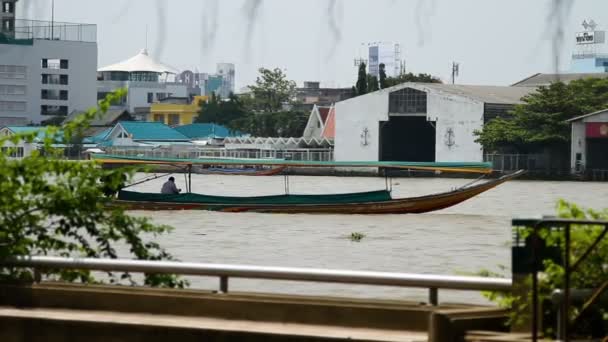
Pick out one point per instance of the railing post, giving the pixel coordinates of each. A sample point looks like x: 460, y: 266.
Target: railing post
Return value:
x: 224, y: 284
x: 433, y: 296
x: 37, y: 275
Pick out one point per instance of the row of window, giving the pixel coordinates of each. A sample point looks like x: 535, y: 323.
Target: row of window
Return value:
x: 159, y: 97
x: 8, y: 7
x: 172, y: 119
x: 54, y: 110
x: 54, y: 63
x: 12, y: 106
x: 19, y: 106
x: 8, y: 25
x: 54, y: 79
x: 54, y: 94
x: 12, y: 72
x: 12, y: 89
x: 13, y: 152
x: 407, y: 100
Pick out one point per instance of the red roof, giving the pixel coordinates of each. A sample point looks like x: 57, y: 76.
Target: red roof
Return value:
x: 324, y: 113
x: 330, y: 125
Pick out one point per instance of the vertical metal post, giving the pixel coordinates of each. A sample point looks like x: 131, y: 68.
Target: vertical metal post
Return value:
x: 433, y: 296
x: 37, y: 275
x: 189, y: 178
x: 535, y: 283
x: 566, y: 302
x: 224, y: 284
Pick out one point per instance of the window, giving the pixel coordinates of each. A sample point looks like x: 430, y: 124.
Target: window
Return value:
x: 54, y: 63
x: 150, y: 97
x: 13, y: 152
x: 12, y: 106
x: 123, y: 135
x: 53, y: 110
x: 12, y: 72
x: 159, y: 118
x: 161, y: 96
x: 8, y: 25
x: 54, y: 94
x: 173, y: 119
x: 54, y: 79
x: 12, y: 89
x: 8, y: 7
x: 407, y: 100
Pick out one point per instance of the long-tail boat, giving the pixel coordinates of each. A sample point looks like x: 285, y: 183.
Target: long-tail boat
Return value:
x: 372, y: 202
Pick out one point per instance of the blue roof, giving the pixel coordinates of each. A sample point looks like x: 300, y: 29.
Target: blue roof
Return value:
x: 40, y: 130
x: 99, y: 137
x: 205, y: 130
x: 152, y: 131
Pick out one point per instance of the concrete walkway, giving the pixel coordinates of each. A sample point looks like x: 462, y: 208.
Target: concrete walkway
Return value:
x: 210, y: 324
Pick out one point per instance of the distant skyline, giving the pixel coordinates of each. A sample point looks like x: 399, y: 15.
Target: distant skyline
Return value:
x: 496, y: 42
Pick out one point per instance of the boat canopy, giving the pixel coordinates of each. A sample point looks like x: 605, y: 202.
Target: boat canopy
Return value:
x: 467, y: 167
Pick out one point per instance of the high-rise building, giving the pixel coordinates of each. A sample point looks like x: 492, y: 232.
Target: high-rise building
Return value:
x: 47, y: 69
x: 591, y: 52
x: 227, y: 72
x: 388, y: 54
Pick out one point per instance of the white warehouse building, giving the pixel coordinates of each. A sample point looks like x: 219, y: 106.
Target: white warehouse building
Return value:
x: 420, y: 122
x: 46, y: 70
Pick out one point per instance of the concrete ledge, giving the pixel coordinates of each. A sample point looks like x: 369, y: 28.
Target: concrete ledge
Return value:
x: 381, y: 314
x: 453, y: 324
x: 17, y: 325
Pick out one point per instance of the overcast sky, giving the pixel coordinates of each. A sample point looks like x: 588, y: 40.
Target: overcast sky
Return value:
x: 495, y: 41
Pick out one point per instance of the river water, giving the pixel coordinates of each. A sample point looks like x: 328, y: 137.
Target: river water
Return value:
x: 466, y: 238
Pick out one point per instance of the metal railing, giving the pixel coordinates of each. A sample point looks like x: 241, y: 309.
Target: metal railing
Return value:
x: 570, y: 266
x: 225, y: 272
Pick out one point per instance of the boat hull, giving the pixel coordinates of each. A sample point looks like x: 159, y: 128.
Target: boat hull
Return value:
x: 411, y: 205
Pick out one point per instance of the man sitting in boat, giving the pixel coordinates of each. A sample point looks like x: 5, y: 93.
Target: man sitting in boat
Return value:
x: 170, y: 188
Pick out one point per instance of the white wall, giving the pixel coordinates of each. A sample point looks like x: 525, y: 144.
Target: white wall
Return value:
x: 461, y: 116
x: 579, y: 137
x: 579, y: 143
x: 138, y: 91
x: 82, y: 74
x: 352, y: 117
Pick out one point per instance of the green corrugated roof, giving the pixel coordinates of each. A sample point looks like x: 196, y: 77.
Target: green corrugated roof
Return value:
x: 99, y: 137
x: 152, y: 131
x: 41, y: 130
x: 205, y: 130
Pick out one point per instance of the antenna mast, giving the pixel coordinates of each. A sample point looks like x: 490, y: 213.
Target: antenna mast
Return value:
x: 455, y: 71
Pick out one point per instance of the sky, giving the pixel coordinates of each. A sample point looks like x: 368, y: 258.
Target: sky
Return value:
x: 496, y: 42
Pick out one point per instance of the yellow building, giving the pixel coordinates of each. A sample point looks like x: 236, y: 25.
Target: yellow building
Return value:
x: 176, y: 111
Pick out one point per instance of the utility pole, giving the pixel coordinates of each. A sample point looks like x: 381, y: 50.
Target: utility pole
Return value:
x: 455, y: 70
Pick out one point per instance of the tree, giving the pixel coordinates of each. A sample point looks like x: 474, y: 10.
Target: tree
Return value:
x: 272, y: 90
x: 54, y: 206
x: 540, y: 122
x: 219, y: 111
x: 382, y: 75
x: 362, y: 80
x: 278, y: 124
x: 372, y: 83
x: 410, y: 77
